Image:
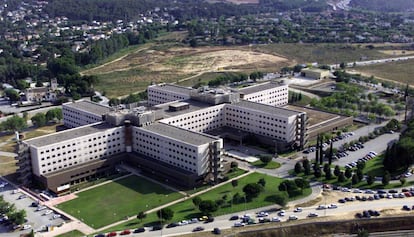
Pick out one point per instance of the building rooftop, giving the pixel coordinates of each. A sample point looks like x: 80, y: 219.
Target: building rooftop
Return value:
x: 180, y: 134
x: 193, y: 106
x: 314, y: 70
x: 67, y: 135
x: 174, y: 88
x: 89, y: 106
x: 267, y: 108
x: 259, y: 87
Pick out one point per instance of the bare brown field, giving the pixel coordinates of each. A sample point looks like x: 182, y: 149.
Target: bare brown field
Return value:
x: 397, y: 52
x: 159, y: 64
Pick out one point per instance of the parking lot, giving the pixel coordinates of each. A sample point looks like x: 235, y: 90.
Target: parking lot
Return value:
x: 37, y: 218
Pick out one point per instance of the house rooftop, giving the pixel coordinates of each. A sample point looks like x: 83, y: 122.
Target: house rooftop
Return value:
x: 68, y: 135
x: 90, y: 107
x: 180, y: 134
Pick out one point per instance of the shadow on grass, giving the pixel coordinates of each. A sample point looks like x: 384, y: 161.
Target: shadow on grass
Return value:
x: 132, y: 223
x: 187, y: 210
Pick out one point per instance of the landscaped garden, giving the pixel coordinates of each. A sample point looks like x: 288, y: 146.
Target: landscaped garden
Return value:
x: 115, y: 201
x: 230, y: 198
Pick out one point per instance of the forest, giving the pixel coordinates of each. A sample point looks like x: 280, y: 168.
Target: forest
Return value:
x: 109, y: 10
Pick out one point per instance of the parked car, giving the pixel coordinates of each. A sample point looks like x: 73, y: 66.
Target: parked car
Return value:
x: 293, y: 217
x: 216, y: 231
x: 233, y: 218
x: 239, y: 224
x: 125, y: 232
x: 111, y: 234
x: 198, y: 228
x: 298, y: 209
x: 313, y: 214
x: 139, y: 230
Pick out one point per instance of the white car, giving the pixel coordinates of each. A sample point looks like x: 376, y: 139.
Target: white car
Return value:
x: 293, y: 217
x: 357, y: 191
x: 275, y: 219
x: 26, y: 227
x: 47, y: 212
x: 56, y: 216
x: 39, y: 208
x: 321, y: 207
x: 282, y: 213
x: 239, y: 224
x: 333, y: 206
x: 298, y: 209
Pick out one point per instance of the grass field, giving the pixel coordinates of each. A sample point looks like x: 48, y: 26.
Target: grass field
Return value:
x: 321, y: 53
x: 374, y: 167
x: 112, y: 202
x: 73, y: 233
x: 271, y: 165
x: 395, y: 71
x: 187, y: 210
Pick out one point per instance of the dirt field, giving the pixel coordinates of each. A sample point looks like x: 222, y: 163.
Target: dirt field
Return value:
x: 397, y: 52
x: 154, y: 64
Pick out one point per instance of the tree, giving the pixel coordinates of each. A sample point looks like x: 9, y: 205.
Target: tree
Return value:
x: 279, y: 199
x: 265, y: 159
x: 252, y: 190
x: 12, y: 94
x: 402, y: 181
x: 298, y: 167
x: 355, y: 179
x: 326, y: 168
x: 196, y: 201
x: 386, y: 178
x: 39, y: 119
x: 360, y: 165
x: 328, y: 174
x: 337, y: 170
x: 234, y: 164
x: 165, y: 214
x: 141, y: 215
x: 14, y: 123
x: 262, y: 182
x: 317, y: 171
x: 370, y: 179
x: 234, y: 183
x: 341, y: 177
x: 306, y: 166
x: 208, y: 206
x: 302, y: 183
x: 18, y: 217
x: 348, y: 173
x: 362, y: 233
x: 360, y: 174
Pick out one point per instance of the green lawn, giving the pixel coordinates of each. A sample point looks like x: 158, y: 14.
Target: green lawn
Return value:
x: 112, y: 202
x: 187, y: 210
x: 270, y: 165
x: 73, y: 233
x: 374, y: 167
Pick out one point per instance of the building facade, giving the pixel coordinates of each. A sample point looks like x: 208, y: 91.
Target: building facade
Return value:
x: 83, y: 113
x: 164, y: 93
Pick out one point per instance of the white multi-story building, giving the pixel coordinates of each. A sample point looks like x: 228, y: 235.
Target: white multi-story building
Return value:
x: 269, y: 93
x: 83, y: 113
x: 164, y: 93
x: 65, y: 149
x: 181, y: 148
x: 169, y: 141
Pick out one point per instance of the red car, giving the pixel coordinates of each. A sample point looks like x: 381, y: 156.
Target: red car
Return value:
x: 125, y: 232
x: 111, y: 234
